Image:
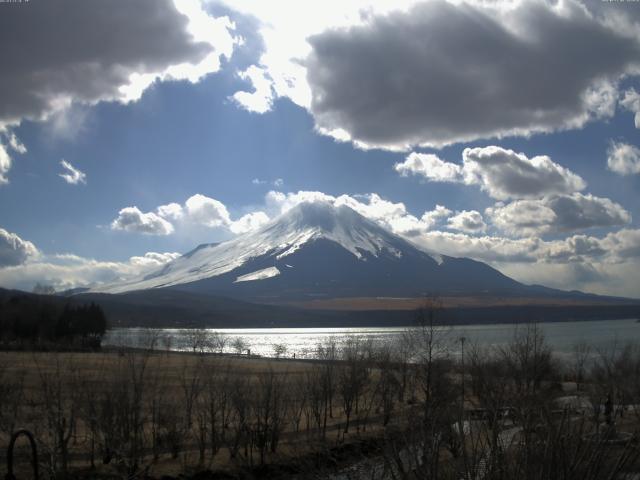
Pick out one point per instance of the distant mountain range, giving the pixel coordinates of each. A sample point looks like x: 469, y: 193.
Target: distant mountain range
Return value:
x: 317, y: 250
x: 322, y: 265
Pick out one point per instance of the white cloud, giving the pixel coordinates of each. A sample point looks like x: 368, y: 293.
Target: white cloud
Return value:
x: 506, y: 174
x: 368, y: 72
x: 432, y: 217
x: 198, y: 211
x: 8, y: 140
x: 279, y: 202
x: 373, y: 206
x: 608, y: 264
x: 131, y: 219
x: 154, y: 259
x: 469, y: 221
x: 138, y: 43
x: 558, y: 213
x: 484, y: 248
x: 391, y: 215
x: 249, y: 222
x: 207, y: 211
x: 623, y: 158
x: 72, y: 175
x: 65, y: 271
x: 5, y: 164
x: 502, y: 173
x: 16, y: 144
x: 14, y: 250
x: 69, y: 122
x: 258, y: 101
x: 622, y: 244
x: 278, y: 182
x: 631, y: 101
x: 172, y: 211
x: 431, y: 167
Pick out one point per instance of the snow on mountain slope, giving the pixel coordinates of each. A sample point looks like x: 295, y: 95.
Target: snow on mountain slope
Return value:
x: 268, y: 272
x: 279, y: 238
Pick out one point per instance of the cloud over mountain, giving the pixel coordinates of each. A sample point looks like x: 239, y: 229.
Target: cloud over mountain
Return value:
x: 65, y: 271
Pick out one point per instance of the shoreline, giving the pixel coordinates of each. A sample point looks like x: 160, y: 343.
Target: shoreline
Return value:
x: 373, y: 326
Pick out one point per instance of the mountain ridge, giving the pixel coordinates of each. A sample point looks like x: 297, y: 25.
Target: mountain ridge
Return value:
x: 320, y: 250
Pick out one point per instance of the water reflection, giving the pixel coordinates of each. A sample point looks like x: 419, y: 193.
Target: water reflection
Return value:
x: 303, y: 342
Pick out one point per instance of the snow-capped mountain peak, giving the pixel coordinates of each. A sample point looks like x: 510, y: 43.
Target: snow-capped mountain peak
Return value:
x: 279, y: 238
x: 319, y: 250
x: 341, y: 224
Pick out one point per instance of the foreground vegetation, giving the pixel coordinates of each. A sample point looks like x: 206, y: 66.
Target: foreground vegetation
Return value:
x: 405, y: 410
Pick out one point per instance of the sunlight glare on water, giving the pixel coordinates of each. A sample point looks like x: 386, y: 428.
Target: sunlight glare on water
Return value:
x: 303, y: 342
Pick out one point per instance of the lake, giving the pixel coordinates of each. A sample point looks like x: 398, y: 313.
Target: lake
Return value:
x: 302, y: 342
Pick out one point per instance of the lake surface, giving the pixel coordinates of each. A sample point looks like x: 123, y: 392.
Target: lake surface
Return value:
x: 302, y: 342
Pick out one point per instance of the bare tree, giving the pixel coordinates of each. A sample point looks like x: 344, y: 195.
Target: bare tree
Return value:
x: 121, y: 412
x: 416, y: 453
x: 11, y: 396
x: 217, y: 342
x: 58, y: 392
x: 240, y: 401
x: 279, y: 349
x: 197, y: 339
x: 269, y: 412
x: 353, y: 376
x: 316, y: 406
x: 581, y: 355
x: 388, y: 384
x: 239, y: 345
x: 191, y: 386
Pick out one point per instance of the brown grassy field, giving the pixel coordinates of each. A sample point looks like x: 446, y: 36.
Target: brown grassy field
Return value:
x: 410, y: 408
x: 410, y: 304
x: 50, y: 391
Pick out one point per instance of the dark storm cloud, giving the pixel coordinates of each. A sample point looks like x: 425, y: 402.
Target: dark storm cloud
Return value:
x: 55, y: 51
x: 444, y: 73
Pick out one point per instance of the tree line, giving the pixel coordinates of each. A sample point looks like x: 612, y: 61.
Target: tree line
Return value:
x: 27, y: 322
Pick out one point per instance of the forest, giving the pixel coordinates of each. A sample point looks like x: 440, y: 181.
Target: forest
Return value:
x: 37, y: 322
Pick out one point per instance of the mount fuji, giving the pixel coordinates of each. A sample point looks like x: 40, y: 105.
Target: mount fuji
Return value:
x: 318, y: 250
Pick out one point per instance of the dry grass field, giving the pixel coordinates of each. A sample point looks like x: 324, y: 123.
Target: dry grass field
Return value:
x: 166, y: 413
x: 411, y: 304
x: 407, y: 410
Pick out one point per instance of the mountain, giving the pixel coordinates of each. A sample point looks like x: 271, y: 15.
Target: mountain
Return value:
x: 317, y: 250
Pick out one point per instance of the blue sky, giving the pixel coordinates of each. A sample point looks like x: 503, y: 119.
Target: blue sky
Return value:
x: 535, y: 166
